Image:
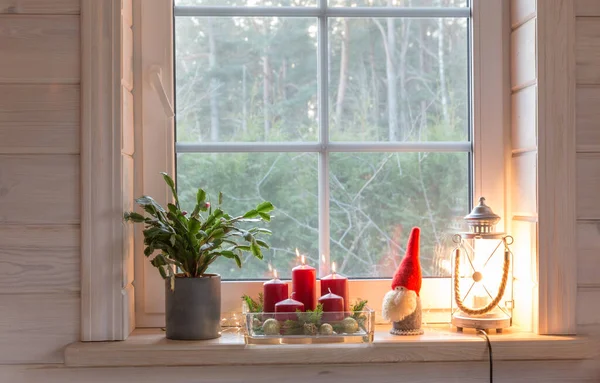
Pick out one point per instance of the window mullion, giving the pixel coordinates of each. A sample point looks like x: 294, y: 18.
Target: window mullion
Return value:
x: 323, y: 181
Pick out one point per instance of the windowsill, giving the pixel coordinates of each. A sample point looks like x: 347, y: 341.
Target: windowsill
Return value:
x: 148, y: 347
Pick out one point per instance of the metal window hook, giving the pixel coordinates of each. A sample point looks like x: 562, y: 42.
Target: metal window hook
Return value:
x: 155, y: 77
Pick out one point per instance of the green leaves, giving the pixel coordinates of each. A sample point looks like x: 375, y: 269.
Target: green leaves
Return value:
x: 255, y: 249
x: 251, y: 214
x: 190, y: 243
x: 134, y: 217
x: 169, y: 181
x: 265, y: 207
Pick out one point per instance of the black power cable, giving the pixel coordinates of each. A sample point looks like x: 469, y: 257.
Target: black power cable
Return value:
x: 489, y: 344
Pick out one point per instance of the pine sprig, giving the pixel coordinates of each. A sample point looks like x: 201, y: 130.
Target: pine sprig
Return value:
x: 357, y: 308
x: 254, y: 306
x: 311, y: 316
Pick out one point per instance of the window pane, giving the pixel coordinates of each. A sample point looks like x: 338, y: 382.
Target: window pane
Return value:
x: 397, y: 3
x: 398, y: 79
x: 222, y: 92
x: 249, y: 3
x: 288, y: 180
x: 376, y: 198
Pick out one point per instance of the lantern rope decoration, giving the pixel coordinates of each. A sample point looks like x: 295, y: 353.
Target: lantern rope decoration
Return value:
x: 490, y: 306
x: 482, y: 304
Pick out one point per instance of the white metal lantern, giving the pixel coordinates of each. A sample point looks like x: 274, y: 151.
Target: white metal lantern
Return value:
x: 482, y: 274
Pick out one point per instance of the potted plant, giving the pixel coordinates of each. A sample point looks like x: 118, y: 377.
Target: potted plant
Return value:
x: 187, y: 244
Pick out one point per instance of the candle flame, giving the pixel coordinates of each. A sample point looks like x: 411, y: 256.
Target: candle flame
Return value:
x: 302, y: 260
x: 275, y: 273
x: 333, y: 267
x: 270, y: 267
x: 323, y: 258
x: 297, y: 253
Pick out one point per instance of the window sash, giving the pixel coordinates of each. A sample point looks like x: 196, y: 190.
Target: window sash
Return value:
x: 324, y: 146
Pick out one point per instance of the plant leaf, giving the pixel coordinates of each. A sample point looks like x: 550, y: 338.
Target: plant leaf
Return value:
x: 169, y: 181
x: 220, y: 198
x: 262, y: 243
x: 194, y: 226
x: 264, y: 216
x: 238, y: 260
x: 228, y: 254
x: 133, y: 217
x: 172, y: 208
x: 265, y: 207
x: 251, y: 214
x: 146, y: 201
x: 255, y: 249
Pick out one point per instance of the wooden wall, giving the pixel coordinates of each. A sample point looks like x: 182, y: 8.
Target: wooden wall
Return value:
x: 588, y: 162
x: 524, y: 156
x: 39, y: 179
x: 473, y: 372
x: 39, y: 198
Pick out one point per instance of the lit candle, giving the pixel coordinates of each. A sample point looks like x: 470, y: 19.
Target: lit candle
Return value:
x: 274, y: 291
x: 286, y: 310
x: 337, y: 284
x: 304, y: 283
x: 333, y: 307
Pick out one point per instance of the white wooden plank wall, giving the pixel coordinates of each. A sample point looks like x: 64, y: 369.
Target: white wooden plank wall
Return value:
x: 127, y: 150
x: 39, y: 179
x: 588, y: 162
x: 523, y: 205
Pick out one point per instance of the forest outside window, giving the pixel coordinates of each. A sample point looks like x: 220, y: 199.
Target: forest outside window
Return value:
x: 353, y: 119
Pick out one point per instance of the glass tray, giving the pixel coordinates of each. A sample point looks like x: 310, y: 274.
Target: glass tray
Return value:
x: 305, y: 328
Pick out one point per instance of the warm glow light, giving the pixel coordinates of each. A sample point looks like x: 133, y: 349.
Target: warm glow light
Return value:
x: 302, y: 260
x: 270, y: 267
x: 297, y: 253
x: 323, y: 258
x: 274, y: 273
x: 333, y: 267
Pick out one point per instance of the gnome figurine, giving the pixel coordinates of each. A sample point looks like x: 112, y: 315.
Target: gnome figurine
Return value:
x: 402, y: 305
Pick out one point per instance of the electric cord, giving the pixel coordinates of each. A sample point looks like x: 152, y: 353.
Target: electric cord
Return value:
x: 489, y: 344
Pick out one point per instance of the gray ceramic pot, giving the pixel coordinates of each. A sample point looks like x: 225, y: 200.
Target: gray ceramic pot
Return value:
x: 193, y: 308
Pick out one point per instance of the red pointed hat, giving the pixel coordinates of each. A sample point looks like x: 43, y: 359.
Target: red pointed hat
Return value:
x: 408, y: 274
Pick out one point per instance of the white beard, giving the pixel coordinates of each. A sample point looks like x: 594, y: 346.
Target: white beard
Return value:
x: 398, y: 304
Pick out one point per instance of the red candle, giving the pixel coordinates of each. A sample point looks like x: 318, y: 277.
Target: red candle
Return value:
x: 287, y: 309
x: 337, y: 284
x: 304, y: 281
x: 274, y: 291
x: 333, y: 307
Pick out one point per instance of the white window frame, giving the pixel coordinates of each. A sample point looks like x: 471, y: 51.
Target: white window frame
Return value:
x: 155, y: 112
x: 107, y: 311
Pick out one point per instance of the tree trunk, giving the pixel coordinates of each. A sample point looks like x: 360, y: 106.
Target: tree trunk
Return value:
x: 392, y: 93
x: 214, y: 84
x: 244, y: 101
x: 267, y: 92
x: 404, y: 120
x: 422, y: 71
x: 442, y: 69
x: 339, y: 105
x: 374, y: 85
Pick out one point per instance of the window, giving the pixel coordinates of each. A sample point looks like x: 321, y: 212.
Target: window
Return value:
x: 356, y: 128
x: 290, y: 101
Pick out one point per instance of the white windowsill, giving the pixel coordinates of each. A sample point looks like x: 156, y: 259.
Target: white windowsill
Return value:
x: 148, y: 347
